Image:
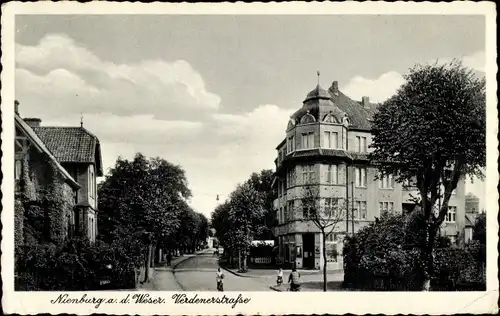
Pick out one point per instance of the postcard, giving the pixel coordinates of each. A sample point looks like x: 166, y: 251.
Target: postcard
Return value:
x: 249, y: 158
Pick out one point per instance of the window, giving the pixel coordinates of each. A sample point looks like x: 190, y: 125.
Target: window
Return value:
x: 330, y: 140
x: 355, y: 212
x: 386, y: 182
x: 330, y: 206
x: 307, y: 174
x: 360, y: 174
x: 18, y: 169
x: 385, y: 207
x: 362, y: 210
x: 290, y: 177
x: 290, y: 146
x: 451, y: 215
x: 331, y: 175
x: 291, y: 209
x: 308, y: 140
x: 360, y: 144
x: 91, y: 183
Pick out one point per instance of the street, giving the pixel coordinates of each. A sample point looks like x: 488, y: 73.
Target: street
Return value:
x: 198, y: 274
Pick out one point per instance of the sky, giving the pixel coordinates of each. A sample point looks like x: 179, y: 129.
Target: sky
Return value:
x: 214, y: 93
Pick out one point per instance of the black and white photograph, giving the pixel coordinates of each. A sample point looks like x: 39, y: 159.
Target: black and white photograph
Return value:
x: 231, y: 152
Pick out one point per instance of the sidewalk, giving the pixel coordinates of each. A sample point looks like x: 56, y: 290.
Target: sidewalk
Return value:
x: 310, y: 275
x: 334, y: 283
x: 162, y: 277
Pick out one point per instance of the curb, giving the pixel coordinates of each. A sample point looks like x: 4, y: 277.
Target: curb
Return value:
x: 267, y: 276
x: 244, y: 275
x: 272, y: 287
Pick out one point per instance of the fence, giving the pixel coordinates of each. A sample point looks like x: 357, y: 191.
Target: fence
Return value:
x: 262, y: 260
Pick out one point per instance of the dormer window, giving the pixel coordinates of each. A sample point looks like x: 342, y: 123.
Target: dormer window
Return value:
x: 330, y: 118
x: 291, y: 124
x: 308, y: 118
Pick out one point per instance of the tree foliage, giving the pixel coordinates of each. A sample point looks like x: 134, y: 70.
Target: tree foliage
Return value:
x: 383, y: 256
x: 144, y: 201
x: 245, y: 216
x: 432, y: 131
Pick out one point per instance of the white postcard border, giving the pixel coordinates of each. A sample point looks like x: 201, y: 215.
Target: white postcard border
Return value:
x: 260, y: 303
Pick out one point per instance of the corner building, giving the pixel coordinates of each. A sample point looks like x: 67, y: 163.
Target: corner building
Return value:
x: 326, y: 145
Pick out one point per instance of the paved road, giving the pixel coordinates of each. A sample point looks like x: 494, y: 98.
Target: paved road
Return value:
x: 198, y: 274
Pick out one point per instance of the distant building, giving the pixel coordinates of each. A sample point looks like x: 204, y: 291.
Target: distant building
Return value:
x: 65, y: 159
x: 471, y: 212
x: 326, y: 144
x: 471, y: 203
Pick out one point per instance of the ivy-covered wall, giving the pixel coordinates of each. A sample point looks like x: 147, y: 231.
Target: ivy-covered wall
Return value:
x: 46, y: 199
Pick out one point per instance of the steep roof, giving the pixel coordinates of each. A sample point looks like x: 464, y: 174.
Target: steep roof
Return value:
x: 33, y: 137
x: 469, y: 220
x: 72, y: 145
x: 319, y: 102
x: 359, y: 116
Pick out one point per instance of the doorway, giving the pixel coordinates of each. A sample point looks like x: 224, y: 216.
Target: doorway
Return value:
x: 308, y: 255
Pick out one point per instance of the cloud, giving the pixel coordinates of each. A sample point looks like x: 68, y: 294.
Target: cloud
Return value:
x: 379, y: 89
x: 383, y: 87
x: 64, y: 77
x: 475, y: 61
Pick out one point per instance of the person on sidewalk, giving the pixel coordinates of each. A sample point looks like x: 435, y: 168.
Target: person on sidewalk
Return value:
x: 219, y: 278
x: 169, y: 259
x: 294, y: 280
x: 279, y: 279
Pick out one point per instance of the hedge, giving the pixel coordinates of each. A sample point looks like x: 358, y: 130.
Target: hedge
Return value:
x: 383, y: 256
x: 75, y: 266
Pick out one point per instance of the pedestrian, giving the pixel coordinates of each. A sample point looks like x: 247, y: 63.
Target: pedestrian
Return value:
x: 294, y: 280
x: 219, y: 278
x: 169, y: 258
x: 279, y: 279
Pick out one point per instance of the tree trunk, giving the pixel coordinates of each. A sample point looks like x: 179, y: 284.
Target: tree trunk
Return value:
x: 148, y: 263
x: 239, y: 260
x: 428, y: 258
x: 324, y: 262
x: 244, y: 261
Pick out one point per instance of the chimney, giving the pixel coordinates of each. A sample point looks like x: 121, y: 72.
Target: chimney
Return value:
x: 335, y: 87
x: 16, y: 107
x: 366, y: 102
x: 33, y: 122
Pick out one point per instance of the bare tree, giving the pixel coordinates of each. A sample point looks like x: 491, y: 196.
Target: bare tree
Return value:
x: 325, y: 213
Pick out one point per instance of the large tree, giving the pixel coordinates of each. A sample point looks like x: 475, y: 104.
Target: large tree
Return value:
x: 220, y: 223
x: 245, y: 209
x: 325, y: 214
x: 141, y: 200
x: 433, y: 132
x: 262, y: 183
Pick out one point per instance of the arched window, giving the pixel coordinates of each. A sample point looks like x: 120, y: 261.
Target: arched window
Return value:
x: 308, y: 118
x: 330, y: 118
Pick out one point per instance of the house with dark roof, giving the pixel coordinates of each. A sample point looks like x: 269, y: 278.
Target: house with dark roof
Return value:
x: 75, y: 157
x: 326, y: 146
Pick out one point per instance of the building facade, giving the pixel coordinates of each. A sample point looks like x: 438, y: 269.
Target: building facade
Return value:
x: 76, y: 155
x: 326, y: 146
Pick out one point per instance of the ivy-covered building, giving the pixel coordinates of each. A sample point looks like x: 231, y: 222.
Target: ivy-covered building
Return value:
x: 326, y: 145
x: 56, y: 170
